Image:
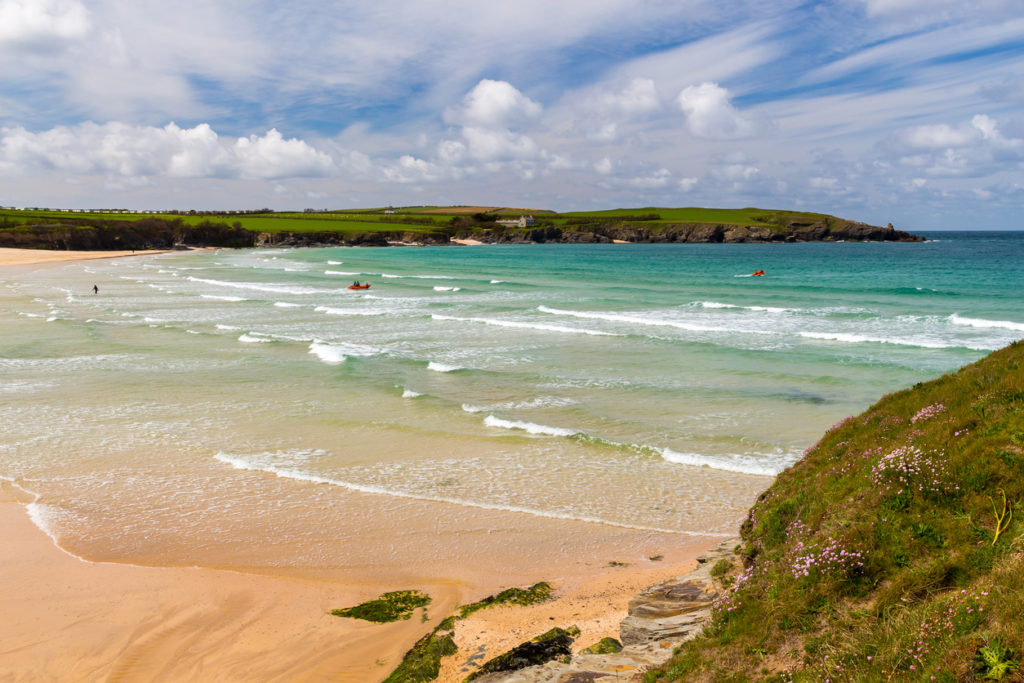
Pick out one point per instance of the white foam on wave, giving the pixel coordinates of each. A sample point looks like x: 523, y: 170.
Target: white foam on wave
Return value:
x: 440, y: 288
x: 285, y: 473
x: 336, y: 352
x: 222, y: 298
x: 760, y: 309
x: 849, y: 338
x: 341, y: 272
x: 254, y: 338
x: 409, y: 393
x: 42, y: 516
x: 442, y: 367
x: 469, y: 408
x: 262, y: 287
x: 981, y: 323
x: 741, y: 464
x: 526, y: 326
x: 334, y: 263
x: 286, y: 304
x: 497, y: 282
x: 228, y: 328
x: 328, y: 353
x: 528, y: 427
x: 346, y: 311
x: 417, y: 277
x: 647, y: 320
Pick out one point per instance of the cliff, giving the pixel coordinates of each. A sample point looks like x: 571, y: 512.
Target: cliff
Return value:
x: 150, y: 232
x: 893, y: 551
x: 834, y: 230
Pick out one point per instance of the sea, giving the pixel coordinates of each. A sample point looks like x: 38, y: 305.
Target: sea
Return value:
x: 480, y: 410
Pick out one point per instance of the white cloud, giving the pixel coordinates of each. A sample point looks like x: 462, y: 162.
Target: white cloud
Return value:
x: 940, y: 135
x: 687, y: 184
x: 658, y: 179
x: 932, y: 10
x: 604, y: 166
x: 271, y: 156
x: 42, y: 23
x: 410, y: 169
x: 710, y: 114
x: 490, y: 145
x: 638, y: 98
x: 494, y: 104
x: 121, y: 150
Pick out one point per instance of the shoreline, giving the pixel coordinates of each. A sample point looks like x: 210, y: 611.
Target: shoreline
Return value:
x: 71, y: 618
x: 27, y: 257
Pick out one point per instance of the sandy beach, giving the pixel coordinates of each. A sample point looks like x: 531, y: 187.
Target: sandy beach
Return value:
x: 23, y: 257
x: 276, y: 553
x: 67, y: 619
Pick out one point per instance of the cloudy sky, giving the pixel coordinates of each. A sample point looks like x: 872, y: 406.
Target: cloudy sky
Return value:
x: 910, y: 111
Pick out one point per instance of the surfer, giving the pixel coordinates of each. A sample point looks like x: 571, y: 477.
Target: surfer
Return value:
x: 95, y: 289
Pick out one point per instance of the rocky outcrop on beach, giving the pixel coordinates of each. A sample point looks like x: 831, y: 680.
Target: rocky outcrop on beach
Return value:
x: 660, y: 618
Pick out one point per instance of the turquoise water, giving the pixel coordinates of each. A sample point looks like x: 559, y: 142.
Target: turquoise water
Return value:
x: 246, y: 408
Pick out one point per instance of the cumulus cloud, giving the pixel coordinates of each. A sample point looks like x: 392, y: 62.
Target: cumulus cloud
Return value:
x: 494, y: 104
x: 42, y: 24
x: 127, y: 151
x: 490, y: 115
x: 710, y: 114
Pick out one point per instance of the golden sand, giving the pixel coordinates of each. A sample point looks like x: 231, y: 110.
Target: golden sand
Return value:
x: 66, y: 619
x: 22, y: 257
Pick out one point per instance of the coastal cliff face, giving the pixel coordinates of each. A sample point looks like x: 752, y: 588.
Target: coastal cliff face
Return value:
x: 891, y: 551
x: 157, y: 233
x: 819, y: 231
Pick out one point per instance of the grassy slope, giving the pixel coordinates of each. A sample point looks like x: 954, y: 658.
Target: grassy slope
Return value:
x: 875, y: 557
x: 371, y: 220
x: 349, y: 223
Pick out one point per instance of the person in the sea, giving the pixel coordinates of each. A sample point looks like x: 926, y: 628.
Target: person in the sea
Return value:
x: 95, y: 289
x: 356, y: 283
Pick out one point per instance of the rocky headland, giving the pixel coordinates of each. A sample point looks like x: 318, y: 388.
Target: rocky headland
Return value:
x: 161, y: 233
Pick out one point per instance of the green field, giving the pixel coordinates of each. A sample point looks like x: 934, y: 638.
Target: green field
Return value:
x: 429, y: 218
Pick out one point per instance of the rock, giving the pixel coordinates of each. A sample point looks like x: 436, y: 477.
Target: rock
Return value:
x: 652, y: 621
x: 605, y: 646
x: 546, y: 647
x: 675, y: 609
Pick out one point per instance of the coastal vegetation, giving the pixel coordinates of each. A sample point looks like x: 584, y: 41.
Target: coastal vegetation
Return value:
x: 50, y: 229
x: 423, y: 661
x: 388, y: 607
x: 893, y: 551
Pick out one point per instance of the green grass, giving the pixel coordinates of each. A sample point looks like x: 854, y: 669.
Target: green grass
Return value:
x: 352, y: 221
x: 885, y: 554
x: 747, y: 216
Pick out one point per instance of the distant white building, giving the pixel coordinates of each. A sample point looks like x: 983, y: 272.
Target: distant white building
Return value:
x: 521, y: 222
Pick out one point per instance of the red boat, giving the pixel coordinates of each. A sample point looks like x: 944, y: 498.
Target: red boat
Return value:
x: 356, y: 285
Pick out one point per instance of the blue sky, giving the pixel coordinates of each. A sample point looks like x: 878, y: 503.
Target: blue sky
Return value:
x: 909, y: 111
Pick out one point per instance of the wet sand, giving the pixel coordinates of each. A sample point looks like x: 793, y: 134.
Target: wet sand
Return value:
x: 67, y: 619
